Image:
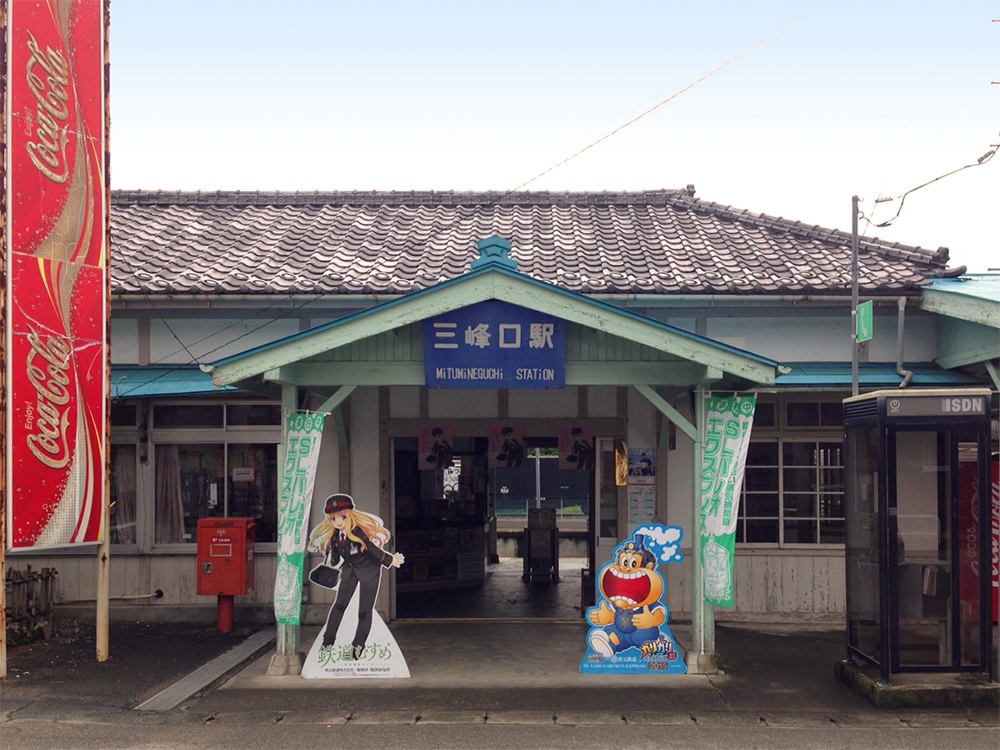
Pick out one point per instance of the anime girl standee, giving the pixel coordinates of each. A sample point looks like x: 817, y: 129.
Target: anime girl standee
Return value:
x: 356, y: 538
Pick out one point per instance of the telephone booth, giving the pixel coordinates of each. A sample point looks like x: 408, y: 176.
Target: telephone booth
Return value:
x: 918, y: 547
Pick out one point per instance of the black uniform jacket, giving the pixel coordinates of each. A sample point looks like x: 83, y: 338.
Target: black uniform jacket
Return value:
x: 366, y: 564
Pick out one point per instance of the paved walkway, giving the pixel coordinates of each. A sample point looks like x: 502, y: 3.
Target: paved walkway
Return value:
x: 463, y: 671
x: 472, y: 672
x: 529, y: 673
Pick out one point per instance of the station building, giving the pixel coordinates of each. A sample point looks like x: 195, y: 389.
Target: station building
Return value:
x: 231, y: 309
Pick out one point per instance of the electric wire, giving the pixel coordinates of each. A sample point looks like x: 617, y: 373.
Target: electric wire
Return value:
x: 984, y: 159
x: 655, y: 107
x: 193, y: 359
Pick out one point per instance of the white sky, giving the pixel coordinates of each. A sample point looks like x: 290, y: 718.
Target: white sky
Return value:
x: 867, y: 97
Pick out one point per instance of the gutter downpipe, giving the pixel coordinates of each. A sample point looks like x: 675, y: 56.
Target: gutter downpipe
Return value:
x: 907, y: 375
x: 854, y: 296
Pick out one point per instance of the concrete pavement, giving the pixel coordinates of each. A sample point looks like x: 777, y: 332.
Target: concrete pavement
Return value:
x: 487, y: 684
x: 525, y: 672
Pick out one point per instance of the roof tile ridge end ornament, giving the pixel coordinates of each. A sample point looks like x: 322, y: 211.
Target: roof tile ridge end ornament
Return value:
x: 946, y: 273
x: 494, y: 251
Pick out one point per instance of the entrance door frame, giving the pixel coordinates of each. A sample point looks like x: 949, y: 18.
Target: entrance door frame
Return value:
x: 605, y: 428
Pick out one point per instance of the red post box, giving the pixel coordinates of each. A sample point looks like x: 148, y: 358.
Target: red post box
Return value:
x: 225, y: 562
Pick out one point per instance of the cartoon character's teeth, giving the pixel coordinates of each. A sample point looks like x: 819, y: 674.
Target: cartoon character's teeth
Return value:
x: 626, y: 576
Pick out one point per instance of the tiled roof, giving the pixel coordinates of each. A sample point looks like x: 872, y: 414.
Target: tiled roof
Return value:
x: 650, y: 242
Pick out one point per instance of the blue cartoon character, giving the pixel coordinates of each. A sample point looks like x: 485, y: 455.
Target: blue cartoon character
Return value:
x: 630, y: 612
x: 629, y: 629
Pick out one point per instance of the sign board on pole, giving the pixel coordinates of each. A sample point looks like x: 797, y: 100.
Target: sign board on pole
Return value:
x: 865, y: 321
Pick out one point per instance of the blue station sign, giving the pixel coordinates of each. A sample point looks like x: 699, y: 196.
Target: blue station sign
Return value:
x: 494, y: 344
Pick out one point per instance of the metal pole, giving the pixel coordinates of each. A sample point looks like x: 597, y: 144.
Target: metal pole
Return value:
x: 854, y: 296
x: 702, y: 659
x: 538, y: 477
x: 102, y: 613
x: 288, y: 637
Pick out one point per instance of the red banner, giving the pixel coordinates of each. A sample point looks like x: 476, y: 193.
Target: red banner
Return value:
x: 995, y: 493
x: 969, y: 525
x: 57, y: 295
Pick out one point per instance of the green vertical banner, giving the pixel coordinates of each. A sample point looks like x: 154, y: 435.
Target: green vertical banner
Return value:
x: 305, y: 434
x: 728, y: 421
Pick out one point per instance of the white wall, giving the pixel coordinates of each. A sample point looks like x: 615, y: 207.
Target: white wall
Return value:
x: 795, y: 338
x: 210, y: 339
x: 472, y: 403
x: 125, y: 340
x: 541, y: 404
x: 680, y: 475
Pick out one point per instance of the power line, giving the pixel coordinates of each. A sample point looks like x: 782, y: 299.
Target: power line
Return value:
x: 984, y: 159
x: 655, y: 107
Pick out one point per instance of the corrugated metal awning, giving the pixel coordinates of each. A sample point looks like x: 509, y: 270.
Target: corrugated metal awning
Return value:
x: 870, y: 375
x: 136, y: 381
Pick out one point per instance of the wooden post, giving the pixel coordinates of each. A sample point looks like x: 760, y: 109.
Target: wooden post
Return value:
x: 104, y: 550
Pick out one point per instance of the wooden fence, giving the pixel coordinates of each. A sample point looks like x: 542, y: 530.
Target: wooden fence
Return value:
x: 29, y: 604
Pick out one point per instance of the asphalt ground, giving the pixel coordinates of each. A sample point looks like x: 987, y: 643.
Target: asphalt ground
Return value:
x: 464, y: 672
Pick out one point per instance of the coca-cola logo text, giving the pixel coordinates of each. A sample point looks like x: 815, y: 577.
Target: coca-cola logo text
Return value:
x: 48, y: 79
x: 48, y: 372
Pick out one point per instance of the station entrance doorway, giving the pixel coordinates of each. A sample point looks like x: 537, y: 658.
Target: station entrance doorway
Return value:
x: 487, y: 539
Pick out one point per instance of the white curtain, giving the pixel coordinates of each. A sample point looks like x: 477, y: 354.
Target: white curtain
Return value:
x: 124, y: 491
x: 169, y: 509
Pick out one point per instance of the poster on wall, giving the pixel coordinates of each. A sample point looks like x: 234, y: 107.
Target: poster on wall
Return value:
x: 354, y: 641
x: 506, y: 445
x: 435, y: 445
x: 728, y: 420
x: 302, y: 444
x: 641, y: 465
x: 641, y: 485
x: 576, y: 446
x: 55, y: 324
x: 641, y: 503
x: 629, y: 625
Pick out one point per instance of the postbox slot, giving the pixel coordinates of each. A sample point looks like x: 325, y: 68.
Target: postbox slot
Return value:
x: 220, y: 550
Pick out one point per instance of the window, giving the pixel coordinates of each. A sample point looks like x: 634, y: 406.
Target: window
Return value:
x: 208, y: 480
x: 123, y: 493
x: 187, y: 415
x: 812, y: 414
x: 793, y: 488
x: 214, y: 460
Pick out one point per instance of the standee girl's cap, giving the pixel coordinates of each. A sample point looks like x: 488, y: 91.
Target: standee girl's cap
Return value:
x: 339, y: 502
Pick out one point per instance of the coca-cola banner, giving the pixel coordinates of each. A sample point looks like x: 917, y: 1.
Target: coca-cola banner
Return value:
x: 56, y: 314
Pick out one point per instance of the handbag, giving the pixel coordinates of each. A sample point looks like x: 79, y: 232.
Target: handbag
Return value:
x: 325, y: 574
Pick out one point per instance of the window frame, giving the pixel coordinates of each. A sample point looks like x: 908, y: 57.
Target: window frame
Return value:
x: 780, y: 435
x: 225, y: 436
